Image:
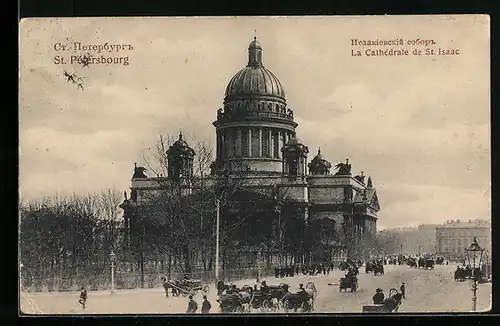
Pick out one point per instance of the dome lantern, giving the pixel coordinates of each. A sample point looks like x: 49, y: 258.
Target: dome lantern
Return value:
x: 254, y: 53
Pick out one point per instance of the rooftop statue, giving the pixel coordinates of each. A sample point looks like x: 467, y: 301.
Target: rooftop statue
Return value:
x: 343, y: 168
x: 139, y: 172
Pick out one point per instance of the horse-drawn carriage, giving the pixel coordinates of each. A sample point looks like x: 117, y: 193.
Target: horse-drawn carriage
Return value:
x: 412, y: 262
x: 348, y: 282
x: 234, y: 300
x: 376, y: 268
x: 429, y: 264
x: 186, y: 287
x: 463, y: 273
x: 303, y: 300
x: 276, y: 298
x: 390, y: 305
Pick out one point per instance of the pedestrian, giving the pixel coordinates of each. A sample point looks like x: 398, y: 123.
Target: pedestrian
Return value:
x: 192, y: 306
x: 378, y: 298
x: 205, y: 306
x: 83, y: 297
x: 403, y: 289
x: 165, y: 285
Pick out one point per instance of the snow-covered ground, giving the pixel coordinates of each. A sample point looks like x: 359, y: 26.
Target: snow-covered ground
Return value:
x: 426, y: 291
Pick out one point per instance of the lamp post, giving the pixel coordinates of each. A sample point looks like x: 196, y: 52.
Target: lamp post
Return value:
x: 112, y: 257
x: 258, y: 266
x: 217, y: 204
x: 474, y: 253
x: 277, y: 209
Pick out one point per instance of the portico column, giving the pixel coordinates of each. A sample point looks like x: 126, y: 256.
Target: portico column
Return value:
x: 270, y: 143
x: 249, y: 142
x: 239, y: 145
x: 279, y: 144
x: 260, y: 142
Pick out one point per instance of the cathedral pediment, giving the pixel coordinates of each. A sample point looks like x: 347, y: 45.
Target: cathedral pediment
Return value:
x: 374, y: 201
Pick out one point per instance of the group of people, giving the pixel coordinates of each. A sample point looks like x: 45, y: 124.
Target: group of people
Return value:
x: 312, y: 269
x: 193, y: 306
x: 379, y: 296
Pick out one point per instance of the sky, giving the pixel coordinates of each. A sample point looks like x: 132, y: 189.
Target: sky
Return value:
x: 418, y: 125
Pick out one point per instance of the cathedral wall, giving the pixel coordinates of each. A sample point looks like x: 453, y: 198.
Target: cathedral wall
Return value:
x: 298, y: 193
x: 334, y: 180
x: 331, y: 195
x: 266, y: 165
x: 336, y: 216
x: 371, y: 226
x: 145, y: 183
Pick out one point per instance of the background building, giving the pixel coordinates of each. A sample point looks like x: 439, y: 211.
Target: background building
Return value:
x: 453, y: 236
x: 409, y: 240
x: 427, y: 238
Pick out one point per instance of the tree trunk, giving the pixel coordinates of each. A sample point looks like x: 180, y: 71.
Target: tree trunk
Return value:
x: 141, y: 263
x: 204, y: 256
x: 187, y: 265
x: 169, y: 265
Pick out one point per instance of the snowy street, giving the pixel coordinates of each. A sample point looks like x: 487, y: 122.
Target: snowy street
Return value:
x: 426, y: 291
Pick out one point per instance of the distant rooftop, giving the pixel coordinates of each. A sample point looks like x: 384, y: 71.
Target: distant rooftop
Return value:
x: 466, y: 223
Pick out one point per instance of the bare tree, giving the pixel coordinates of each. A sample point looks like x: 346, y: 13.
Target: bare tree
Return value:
x: 67, y: 238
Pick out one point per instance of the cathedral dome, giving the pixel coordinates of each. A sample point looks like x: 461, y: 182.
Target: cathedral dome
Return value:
x: 255, y: 79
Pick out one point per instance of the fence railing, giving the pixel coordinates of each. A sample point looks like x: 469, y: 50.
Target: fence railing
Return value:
x: 133, y: 280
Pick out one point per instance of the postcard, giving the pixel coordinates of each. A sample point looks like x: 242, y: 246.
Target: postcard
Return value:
x: 254, y: 165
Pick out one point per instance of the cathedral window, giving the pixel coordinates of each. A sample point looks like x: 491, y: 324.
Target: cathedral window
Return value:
x: 265, y: 142
x: 234, y: 143
x: 244, y: 142
x: 276, y: 144
x: 225, y: 152
x: 294, y: 166
x: 255, y: 142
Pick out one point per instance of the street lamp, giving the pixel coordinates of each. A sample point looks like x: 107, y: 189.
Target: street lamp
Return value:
x: 474, y: 253
x: 217, y: 204
x: 277, y: 210
x: 112, y: 257
x: 258, y: 266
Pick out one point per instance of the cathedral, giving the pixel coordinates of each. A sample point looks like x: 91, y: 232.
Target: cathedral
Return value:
x: 256, y: 132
